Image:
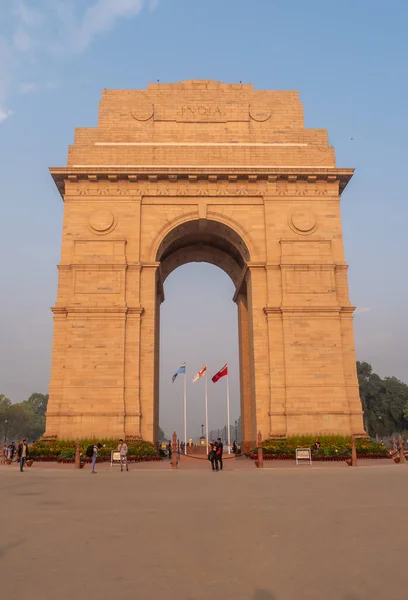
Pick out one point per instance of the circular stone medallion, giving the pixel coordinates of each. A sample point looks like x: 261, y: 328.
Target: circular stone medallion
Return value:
x: 259, y: 113
x: 303, y: 221
x: 102, y: 220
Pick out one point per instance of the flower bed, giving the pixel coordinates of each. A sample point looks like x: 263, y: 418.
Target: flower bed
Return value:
x: 332, y: 448
x: 53, y: 450
x: 317, y: 458
x: 85, y: 459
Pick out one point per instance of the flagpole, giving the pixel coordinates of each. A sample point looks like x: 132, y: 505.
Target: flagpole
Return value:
x: 228, y: 417
x: 206, y: 411
x: 185, y: 412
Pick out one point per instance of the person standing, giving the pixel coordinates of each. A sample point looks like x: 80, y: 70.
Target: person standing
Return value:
x: 169, y: 450
x: 22, y: 454
x: 95, y: 451
x: 211, y: 455
x: 218, y: 448
x: 123, y: 450
x: 11, y: 451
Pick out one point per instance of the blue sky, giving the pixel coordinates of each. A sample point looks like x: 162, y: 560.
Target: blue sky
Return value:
x: 348, y: 60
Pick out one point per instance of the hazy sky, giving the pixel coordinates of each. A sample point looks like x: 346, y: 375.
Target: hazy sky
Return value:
x: 348, y: 59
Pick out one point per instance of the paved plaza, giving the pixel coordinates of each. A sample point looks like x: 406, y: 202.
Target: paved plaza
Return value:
x: 310, y: 533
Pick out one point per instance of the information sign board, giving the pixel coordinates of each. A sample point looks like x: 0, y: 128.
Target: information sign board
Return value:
x: 303, y: 455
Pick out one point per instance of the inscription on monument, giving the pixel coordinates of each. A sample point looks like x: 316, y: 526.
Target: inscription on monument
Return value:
x: 201, y: 112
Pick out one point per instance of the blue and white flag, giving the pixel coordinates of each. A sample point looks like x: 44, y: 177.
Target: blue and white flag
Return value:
x: 182, y: 369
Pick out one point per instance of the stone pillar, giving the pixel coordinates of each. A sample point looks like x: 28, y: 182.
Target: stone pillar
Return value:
x: 56, y: 388
x: 259, y: 349
x: 148, y: 350
x: 276, y: 347
x: 247, y: 400
x: 156, y: 408
x: 132, y: 372
x: 277, y: 374
x: 350, y: 370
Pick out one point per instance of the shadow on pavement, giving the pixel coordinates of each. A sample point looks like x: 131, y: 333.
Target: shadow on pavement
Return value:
x: 267, y: 595
x: 7, y: 547
x: 264, y: 595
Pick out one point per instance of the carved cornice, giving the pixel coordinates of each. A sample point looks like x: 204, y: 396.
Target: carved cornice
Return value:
x: 135, y: 310
x: 272, y: 311
x: 98, y: 266
x: 97, y: 310
x: 347, y: 310
x: 317, y: 311
x: 196, y: 181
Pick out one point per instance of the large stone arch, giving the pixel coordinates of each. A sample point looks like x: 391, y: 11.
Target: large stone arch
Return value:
x: 214, y: 242
x: 212, y: 216
x: 222, y: 173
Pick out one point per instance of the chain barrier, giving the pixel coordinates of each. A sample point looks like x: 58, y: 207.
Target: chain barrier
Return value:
x: 224, y: 456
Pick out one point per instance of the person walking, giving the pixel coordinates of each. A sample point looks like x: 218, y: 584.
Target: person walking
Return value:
x: 218, y: 449
x: 22, y: 454
x: 123, y: 450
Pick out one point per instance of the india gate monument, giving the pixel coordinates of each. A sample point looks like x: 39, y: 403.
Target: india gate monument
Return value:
x: 202, y: 171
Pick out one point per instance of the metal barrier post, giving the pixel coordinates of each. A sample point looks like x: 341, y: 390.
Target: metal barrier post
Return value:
x: 353, y: 451
x: 77, y: 455
x: 259, y: 462
x: 174, y: 452
x: 3, y: 451
x: 402, y: 459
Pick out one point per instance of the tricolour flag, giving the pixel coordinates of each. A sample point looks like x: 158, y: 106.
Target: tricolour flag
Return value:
x: 221, y: 373
x: 182, y: 369
x: 200, y: 373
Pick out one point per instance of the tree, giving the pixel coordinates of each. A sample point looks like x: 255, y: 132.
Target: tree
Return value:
x: 162, y: 435
x: 38, y: 402
x: 5, y: 404
x: 384, y: 401
x: 24, y: 419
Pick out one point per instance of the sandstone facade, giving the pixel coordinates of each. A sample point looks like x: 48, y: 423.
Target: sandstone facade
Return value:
x: 202, y: 171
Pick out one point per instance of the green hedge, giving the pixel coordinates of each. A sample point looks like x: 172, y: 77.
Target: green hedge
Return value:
x: 65, y: 449
x: 330, y: 446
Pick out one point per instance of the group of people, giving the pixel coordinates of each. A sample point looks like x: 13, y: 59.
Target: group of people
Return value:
x: 215, y: 454
x: 93, y: 450
x: 14, y: 453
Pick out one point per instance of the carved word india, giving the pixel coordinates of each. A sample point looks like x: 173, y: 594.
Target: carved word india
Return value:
x: 200, y: 110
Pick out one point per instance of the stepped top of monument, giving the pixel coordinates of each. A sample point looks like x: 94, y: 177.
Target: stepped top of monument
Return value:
x: 202, y: 102
x: 200, y: 124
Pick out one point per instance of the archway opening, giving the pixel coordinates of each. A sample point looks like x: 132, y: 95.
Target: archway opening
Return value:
x: 200, y: 325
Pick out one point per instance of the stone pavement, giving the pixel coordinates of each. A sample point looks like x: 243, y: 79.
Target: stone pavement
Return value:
x: 246, y: 534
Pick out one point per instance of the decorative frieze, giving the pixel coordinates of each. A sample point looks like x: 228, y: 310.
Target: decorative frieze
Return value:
x: 82, y: 183
x: 193, y: 186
